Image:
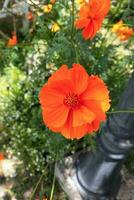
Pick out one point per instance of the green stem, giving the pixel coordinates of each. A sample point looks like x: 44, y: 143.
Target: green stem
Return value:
x: 52, y: 190
x: 33, y: 193
x: 4, y: 35
x: 39, y: 181
x: 75, y: 49
x: 120, y: 111
x: 72, y: 31
x: 72, y: 19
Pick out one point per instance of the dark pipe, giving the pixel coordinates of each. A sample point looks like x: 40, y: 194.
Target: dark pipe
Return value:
x: 98, y: 173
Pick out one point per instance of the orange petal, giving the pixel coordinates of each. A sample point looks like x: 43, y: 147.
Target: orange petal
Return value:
x: 94, y: 6
x: 73, y: 132
x: 84, y: 12
x: 96, y: 90
x: 104, y: 8
x: 82, y: 116
x: 105, y: 104
x: 55, y: 116
x: 61, y: 74
x: 49, y: 97
x: 54, y: 93
x: 97, y: 25
x: 88, y: 31
x: 56, y: 130
x: 96, y: 124
x: 81, y: 23
x: 62, y: 87
x: 90, y: 128
x: 79, y: 78
x: 101, y: 95
x: 95, y: 107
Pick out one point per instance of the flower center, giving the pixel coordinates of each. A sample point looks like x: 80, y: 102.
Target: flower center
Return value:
x: 71, y: 100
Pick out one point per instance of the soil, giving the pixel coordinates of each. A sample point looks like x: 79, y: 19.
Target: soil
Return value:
x: 127, y: 187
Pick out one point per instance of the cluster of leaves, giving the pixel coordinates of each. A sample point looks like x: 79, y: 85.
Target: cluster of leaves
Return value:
x: 27, y: 66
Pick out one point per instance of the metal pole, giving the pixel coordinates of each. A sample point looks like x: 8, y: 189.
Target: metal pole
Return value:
x: 97, y: 174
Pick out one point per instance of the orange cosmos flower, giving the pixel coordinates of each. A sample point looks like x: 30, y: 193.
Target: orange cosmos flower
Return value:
x: 30, y: 16
x: 52, y: 1
x: 125, y: 33
x: 91, y: 17
x: 12, y: 41
x: 2, y: 157
x: 73, y: 102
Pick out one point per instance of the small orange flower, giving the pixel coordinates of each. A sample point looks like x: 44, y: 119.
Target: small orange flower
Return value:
x: 52, y: 1
x: 73, y: 102
x: 30, y: 16
x: 2, y: 157
x: 91, y: 17
x: 125, y: 33
x: 12, y: 41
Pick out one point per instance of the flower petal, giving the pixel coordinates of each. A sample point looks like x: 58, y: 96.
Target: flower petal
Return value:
x: 61, y: 74
x: 84, y: 12
x: 81, y: 23
x: 88, y: 31
x: 94, y: 6
x: 103, y: 9
x: 96, y: 25
x: 73, y: 132
x: 54, y: 93
x: 51, y: 98
x: 96, y: 90
x: 62, y: 87
x: 82, y: 116
x: 48, y: 97
x: 79, y: 78
x: 55, y: 116
x: 96, y: 124
x: 95, y: 107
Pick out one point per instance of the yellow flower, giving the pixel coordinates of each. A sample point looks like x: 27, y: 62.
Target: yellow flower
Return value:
x: 116, y: 27
x: 47, y: 8
x: 81, y: 2
x: 55, y: 27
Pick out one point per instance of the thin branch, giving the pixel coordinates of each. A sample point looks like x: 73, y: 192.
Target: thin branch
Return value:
x: 6, y: 3
x: 4, y: 35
